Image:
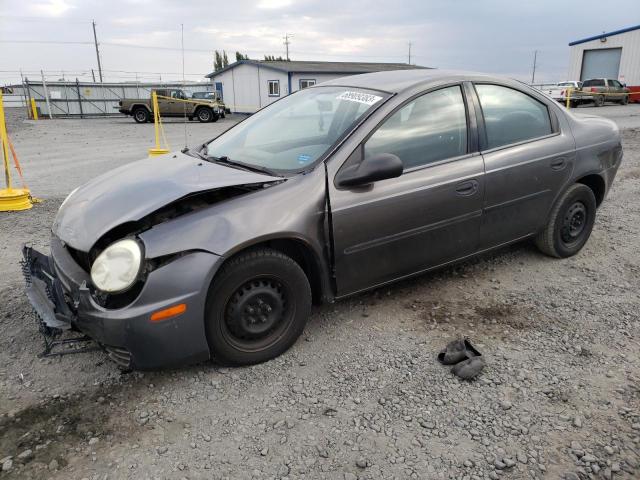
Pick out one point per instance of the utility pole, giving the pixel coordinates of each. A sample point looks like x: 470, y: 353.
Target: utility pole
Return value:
x: 95, y: 41
x: 287, y: 42
x: 533, y: 74
x: 409, y: 62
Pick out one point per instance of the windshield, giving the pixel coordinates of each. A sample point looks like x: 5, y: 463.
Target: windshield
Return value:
x: 294, y: 132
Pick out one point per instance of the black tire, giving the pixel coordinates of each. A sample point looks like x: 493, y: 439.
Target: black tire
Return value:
x: 570, y: 223
x: 257, y: 307
x: 204, y: 114
x: 574, y: 103
x: 141, y: 115
x: 598, y: 101
x: 624, y: 100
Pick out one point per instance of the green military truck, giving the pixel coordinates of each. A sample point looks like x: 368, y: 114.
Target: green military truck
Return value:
x: 173, y: 102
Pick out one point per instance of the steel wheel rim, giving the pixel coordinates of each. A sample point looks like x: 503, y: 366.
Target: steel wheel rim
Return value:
x: 574, y: 223
x: 140, y: 115
x: 257, y: 314
x: 204, y: 115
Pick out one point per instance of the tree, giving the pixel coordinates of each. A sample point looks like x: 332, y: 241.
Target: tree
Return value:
x: 240, y: 56
x: 273, y: 58
x: 217, y: 62
x: 220, y: 60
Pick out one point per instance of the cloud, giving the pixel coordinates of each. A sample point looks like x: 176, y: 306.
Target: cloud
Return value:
x: 53, y: 8
x: 496, y: 36
x: 274, y: 4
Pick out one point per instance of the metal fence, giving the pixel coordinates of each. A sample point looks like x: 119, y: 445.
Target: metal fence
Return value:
x: 91, y: 99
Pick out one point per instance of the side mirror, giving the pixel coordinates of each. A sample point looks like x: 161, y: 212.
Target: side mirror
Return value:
x: 371, y: 169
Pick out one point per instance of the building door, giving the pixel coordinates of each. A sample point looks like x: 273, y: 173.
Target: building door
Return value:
x: 601, y: 63
x: 219, y: 91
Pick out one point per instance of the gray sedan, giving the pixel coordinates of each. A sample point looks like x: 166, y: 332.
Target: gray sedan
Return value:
x: 219, y: 251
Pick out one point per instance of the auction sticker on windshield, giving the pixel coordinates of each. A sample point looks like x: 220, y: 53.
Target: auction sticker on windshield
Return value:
x: 366, y: 98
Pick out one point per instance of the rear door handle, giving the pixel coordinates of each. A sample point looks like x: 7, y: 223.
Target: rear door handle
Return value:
x: 467, y: 188
x: 558, y: 163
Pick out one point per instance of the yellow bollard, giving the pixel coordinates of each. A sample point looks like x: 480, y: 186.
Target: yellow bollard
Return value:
x: 34, y: 109
x: 10, y: 198
x: 157, y: 125
x: 569, y: 97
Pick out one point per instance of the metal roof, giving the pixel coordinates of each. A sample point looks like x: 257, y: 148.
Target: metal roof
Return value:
x: 321, y: 67
x: 605, y: 35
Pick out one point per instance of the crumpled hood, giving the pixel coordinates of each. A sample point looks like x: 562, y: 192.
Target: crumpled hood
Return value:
x: 131, y: 192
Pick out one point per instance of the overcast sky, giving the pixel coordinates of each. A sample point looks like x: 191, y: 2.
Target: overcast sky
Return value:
x: 143, y: 36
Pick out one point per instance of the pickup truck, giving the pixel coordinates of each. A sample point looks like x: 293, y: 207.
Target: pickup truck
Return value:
x: 172, y: 103
x: 559, y: 92
x: 608, y: 90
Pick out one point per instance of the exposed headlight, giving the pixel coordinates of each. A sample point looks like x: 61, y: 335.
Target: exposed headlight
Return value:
x: 68, y: 197
x: 117, y: 267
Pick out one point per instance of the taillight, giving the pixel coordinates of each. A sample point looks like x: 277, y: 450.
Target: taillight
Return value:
x: 562, y: 93
x: 594, y: 89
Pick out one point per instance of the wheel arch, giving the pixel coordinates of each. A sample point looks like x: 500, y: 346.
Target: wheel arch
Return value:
x: 597, y: 185
x: 201, y: 107
x: 303, y: 254
x: 135, y: 106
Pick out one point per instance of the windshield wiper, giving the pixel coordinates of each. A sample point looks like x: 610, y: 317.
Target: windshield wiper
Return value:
x: 224, y: 160
x: 227, y: 161
x: 194, y: 153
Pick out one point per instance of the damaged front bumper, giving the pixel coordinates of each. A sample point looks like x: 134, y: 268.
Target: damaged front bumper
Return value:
x: 58, y: 289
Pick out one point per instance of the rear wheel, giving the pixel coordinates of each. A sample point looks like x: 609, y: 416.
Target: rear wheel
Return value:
x: 141, y: 115
x: 598, y: 101
x: 624, y: 100
x: 570, y: 223
x: 257, y: 307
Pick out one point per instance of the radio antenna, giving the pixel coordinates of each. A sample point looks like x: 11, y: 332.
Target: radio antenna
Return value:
x: 184, y: 103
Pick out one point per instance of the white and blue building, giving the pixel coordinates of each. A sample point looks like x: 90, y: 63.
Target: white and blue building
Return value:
x: 613, y: 55
x: 248, y: 85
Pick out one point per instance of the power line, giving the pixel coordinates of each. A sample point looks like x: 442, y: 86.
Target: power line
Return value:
x: 44, y: 19
x: 198, y: 50
x: 47, y: 42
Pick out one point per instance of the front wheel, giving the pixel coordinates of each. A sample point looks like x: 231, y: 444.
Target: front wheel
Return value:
x: 204, y: 115
x: 570, y: 223
x: 598, y: 101
x: 257, y: 307
x: 625, y: 100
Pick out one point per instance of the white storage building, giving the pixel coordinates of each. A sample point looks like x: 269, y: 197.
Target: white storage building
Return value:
x: 608, y: 55
x: 248, y: 85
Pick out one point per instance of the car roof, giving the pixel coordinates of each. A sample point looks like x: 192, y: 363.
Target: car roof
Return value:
x: 397, y: 81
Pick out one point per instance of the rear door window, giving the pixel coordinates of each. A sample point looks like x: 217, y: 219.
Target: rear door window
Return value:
x: 511, y: 116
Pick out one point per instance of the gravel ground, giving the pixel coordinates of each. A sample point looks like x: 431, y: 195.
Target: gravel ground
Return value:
x: 360, y: 395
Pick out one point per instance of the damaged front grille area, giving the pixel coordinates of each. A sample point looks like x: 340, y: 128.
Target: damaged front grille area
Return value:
x: 119, y: 355
x: 81, y: 258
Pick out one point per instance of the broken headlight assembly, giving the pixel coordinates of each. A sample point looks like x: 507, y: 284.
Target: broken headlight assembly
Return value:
x: 117, y: 267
